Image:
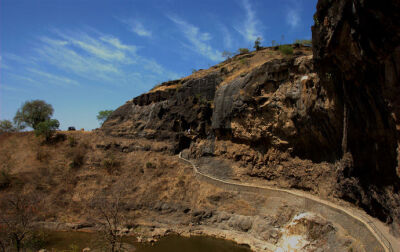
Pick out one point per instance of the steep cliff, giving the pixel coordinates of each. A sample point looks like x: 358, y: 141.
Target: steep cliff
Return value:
x: 356, y: 47
x: 325, y: 121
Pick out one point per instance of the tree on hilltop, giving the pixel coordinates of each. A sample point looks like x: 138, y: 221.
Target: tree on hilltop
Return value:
x: 103, y: 115
x: 7, y: 126
x: 32, y: 113
x: 257, y: 43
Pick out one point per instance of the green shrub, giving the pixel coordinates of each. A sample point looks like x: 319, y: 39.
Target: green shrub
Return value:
x: 286, y: 49
x: 305, y: 42
x: 243, y: 50
x: 150, y: 165
x: 47, y: 128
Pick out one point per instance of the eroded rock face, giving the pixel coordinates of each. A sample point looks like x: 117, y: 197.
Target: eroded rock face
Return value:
x: 167, y: 114
x: 280, y: 105
x: 356, y: 47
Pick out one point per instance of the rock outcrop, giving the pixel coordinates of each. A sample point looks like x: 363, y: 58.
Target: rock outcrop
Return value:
x: 325, y: 121
x: 356, y: 47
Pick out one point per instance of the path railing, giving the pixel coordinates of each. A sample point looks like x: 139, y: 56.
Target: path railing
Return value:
x: 386, y: 245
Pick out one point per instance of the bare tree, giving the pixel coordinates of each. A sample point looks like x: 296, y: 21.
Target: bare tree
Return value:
x: 17, y: 212
x: 108, y: 212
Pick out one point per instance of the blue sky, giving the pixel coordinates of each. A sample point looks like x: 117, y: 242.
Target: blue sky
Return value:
x: 90, y: 55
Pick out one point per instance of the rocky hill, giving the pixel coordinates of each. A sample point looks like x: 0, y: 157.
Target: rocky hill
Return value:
x: 323, y: 120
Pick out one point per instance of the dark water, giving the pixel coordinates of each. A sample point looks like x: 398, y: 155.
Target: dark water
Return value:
x: 76, y: 241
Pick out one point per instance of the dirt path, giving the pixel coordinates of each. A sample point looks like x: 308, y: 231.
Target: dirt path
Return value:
x: 378, y: 230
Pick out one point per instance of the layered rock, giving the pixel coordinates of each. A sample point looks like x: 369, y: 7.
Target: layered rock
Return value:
x: 168, y: 113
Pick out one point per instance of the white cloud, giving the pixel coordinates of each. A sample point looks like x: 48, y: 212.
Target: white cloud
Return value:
x: 106, y: 48
x: 64, y: 57
x: 96, y: 56
x: 137, y: 27
x: 198, y: 40
x: 58, y: 80
x: 227, y: 37
x: 293, y: 17
x: 250, y: 28
x: 117, y: 43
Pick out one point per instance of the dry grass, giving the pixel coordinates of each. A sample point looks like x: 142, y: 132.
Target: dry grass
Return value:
x: 236, y: 66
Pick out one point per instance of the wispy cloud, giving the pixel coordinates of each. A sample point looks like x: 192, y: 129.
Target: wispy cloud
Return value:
x: 56, y: 79
x: 97, y: 56
x: 227, y: 37
x: 137, y: 27
x: 250, y: 28
x: 2, y: 64
x: 10, y: 57
x: 61, y: 55
x: 198, y: 40
x: 106, y: 48
x: 117, y: 44
x: 293, y: 15
x: 11, y: 88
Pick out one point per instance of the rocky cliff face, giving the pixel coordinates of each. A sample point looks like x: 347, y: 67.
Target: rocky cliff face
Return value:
x: 325, y: 121
x: 356, y: 47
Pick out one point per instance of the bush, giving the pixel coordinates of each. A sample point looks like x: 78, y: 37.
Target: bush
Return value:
x: 286, y: 49
x: 257, y: 44
x: 77, y: 156
x: 47, y: 128
x: 110, y: 164
x: 150, y: 165
x: 243, y: 50
x: 305, y: 42
x: 7, y: 126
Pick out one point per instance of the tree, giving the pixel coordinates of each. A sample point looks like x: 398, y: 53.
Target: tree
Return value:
x: 47, y: 128
x: 32, y: 113
x: 17, y: 213
x: 6, y: 126
x: 243, y: 50
x: 257, y: 44
x: 226, y: 54
x: 103, y: 115
x: 108, y: 211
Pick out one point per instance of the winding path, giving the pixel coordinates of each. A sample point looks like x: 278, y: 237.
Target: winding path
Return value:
x: 373, y: 234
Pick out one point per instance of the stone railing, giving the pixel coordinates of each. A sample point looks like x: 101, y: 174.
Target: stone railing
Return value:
x: 358, y: 226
